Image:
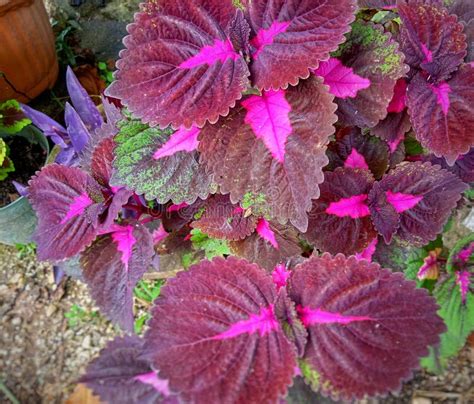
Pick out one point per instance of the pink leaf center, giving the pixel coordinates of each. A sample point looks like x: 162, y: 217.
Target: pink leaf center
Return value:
x: 310, y: 316
x: 466, y: 253
x: 182, y: 140
x: 369, y: 251
x: 265, y: 232
x: 266, y: 36
x: 342, y: 80
x: 78, y: 207
x: 263, y: 323
x: 160, y: 385
x: 398, y: 102
x: 428, y: 54
x: 356, y: 160
x: 353, y: 206
x: 176, y: 208
x: 402, y: 202
x: 159, y: 234
x: 268, y: 116
x: 442, y: 91
x: 280, y: 275
x: 125, y: 240
x: 220, y: 51
x: 462, y: 280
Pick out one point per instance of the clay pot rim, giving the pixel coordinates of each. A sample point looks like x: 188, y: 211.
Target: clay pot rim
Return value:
x: 13, y: 5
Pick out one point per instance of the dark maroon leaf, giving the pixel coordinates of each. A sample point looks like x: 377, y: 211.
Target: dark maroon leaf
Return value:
x: 431, y: 39
x: 392, y: 129
x: 462, y: 8
x: 374, y: 55
x: 340, y: 218
x: 268, y: 254
x: 179, y: 67
x: 423, y: 195
x: 120, y: 375
x: 269, y: 151
x: 113, y: 265
x: 221, y: 314
x: 443, y: 114
x: 367, y: 327
x: 101, y: 161
x: 383, y: 4
x: 354, y: 150
x: 68, y: 203
x: 291, y: 36
x: 225, y: 220
x: 463, y: 166
x: 384, y: 216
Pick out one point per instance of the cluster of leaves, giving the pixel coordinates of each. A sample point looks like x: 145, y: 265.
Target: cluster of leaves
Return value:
x: 12, y: 121
x: 272, y: 131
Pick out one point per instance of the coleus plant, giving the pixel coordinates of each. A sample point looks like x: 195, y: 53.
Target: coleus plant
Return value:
x: 228, y: 136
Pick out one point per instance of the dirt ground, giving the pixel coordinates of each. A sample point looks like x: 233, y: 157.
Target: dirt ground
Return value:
x: 49, y: 333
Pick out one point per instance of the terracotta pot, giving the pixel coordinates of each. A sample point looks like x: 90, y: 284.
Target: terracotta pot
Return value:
x: 28, y: 63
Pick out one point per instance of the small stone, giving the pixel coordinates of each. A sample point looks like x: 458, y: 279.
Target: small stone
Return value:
x: 86, y: 342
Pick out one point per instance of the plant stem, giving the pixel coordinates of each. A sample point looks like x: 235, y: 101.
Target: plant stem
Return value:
x: 4, y: 389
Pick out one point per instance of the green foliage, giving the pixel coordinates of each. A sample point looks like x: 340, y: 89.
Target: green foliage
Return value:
x: 147, y: 291
x: 460, y: 245
x: 6, y: 165
x: 459, y: 320
x: 64, y: 41
x: 25, y: 250
x: 211, y: 247
x: 105, y: 73
x: 77, y: 315
x: 12, y: 119
x: 412, y: 147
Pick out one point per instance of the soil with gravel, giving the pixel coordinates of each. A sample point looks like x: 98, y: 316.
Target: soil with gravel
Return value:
x: 43, y: 350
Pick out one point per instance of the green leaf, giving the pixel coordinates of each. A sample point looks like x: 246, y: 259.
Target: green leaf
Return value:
x: 12, y: 119
x: 459, y: 319
x: 412, y: 147
x: 211, y: 247
x: 178, y: 178
x: 6, y: 165
x: 3, y: 151
x: 460, y: 245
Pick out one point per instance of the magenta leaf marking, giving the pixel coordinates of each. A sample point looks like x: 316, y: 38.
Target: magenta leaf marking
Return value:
x: 78, y: 207
x: 402, y: 202
x: 152, y: 379
x: 125, y: 240
x: 265, y: 232
x: 265, y: 36
x: 268, y: 116
x: 159, y: 234
x: 356, y: 160
x: 398, y: 103
x: 353, y: 206
x: 369, y: 251
x: 211, y: 54
x: 462, y: 280
x: 310, y: 316
x: 466, y: 253
x: 182, y: 140
x: 342, y: 81
x: 176, y: 208
x: 442, y: 91
x: 263, y: 323
x: 393, y: 144
x: 428, y: 54
x: 280, y: 275
x: 430, y: 264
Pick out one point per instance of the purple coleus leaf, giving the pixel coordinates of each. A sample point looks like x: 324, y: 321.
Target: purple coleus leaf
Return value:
x: 271, y: 244
x: 442, y: 113
x: 263, y: 153
x: 431, y: 39
x: 113, y: 265
x: 342, y: 81
x: 422, y: 197
x: 363, y: 339
x: 398, y: 102
x: 353, y: 149
x: 76, y: 129
x: 48, y: 126
x: 290, y: 37
x: 238, y: 346
x: 83, y: 104
x: 392, y: 129
x: 224, y: 220
x: 383, y: 4
x: 121, y: 375
x: 68, y: 203
x: 148, y: 161
x: 340, y: 219
x: 180, y: 74
x: 463, y: 167
x: 373, y: 54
